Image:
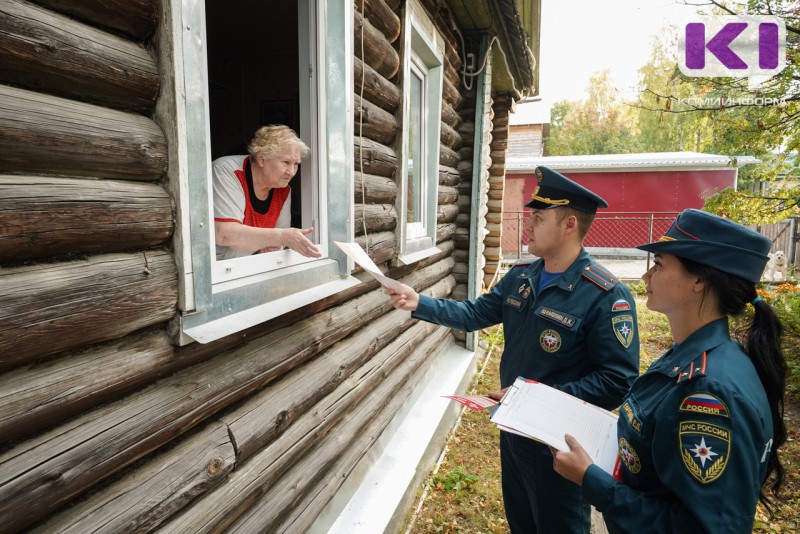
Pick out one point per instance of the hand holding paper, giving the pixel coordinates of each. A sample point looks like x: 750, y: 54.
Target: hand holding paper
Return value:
x: 571, y: 465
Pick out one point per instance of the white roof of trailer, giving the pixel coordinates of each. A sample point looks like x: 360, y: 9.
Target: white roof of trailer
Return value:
x: 652, y: 161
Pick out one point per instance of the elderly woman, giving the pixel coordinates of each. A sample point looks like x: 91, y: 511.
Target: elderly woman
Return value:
x: 252, y: 202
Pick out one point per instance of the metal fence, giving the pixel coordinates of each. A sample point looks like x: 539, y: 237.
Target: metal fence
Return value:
x: 616, y: 233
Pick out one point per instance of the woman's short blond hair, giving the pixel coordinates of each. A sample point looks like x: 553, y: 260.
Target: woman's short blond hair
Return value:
x: 273, y: 140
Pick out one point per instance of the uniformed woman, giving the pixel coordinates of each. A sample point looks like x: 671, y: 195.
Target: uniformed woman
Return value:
x: 698, y: 433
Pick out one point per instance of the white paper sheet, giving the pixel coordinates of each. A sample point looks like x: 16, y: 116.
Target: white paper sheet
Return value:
x: 358, y: 255
x: 546, y: 414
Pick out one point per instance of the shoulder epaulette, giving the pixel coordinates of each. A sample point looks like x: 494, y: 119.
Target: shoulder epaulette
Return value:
x: 695, y: 369
x: 522, y: 261
x: 600, y: 277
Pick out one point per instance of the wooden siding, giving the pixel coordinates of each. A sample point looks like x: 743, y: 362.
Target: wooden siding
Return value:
x: 105, y: 425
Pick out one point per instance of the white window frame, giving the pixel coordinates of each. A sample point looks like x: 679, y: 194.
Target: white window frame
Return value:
x: 219, y: 298
x: 423, y: 51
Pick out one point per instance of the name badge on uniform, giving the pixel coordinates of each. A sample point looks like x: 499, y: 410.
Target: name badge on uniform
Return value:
x: 514, y: 302
x: 558, y: 317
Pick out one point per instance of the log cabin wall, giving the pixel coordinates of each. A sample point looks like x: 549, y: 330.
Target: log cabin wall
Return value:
x: 501, y: 107
x: 104, y: 423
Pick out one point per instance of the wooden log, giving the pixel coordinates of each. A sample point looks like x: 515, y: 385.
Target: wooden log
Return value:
x: 495, y: 206
x: 497, y: 169
x: 463, y: 220
x: 444, y: 232
x: 376, y: 189
x: 378, y: 52
x: 43, y: 216
x: 494, y: 229
x: 448, y: 176
x: 155, y: 491
x: 377, y: 89
x: 498, y: 156
x: 38, y: 396
x: 449, y: 137
x: 447, y: 156
x: 500, y: 121
x: 73, y: 60
x: 462, y: 238
x: 451, y: 94
x: 447, y: 195
x: 39, y: 475
x: 257, y: 423
x: 460, y: 256
x: 446, y: 213
x: 495, y: 194
x: 373, y: 122
x: 274, y: 453
x: 500, y: 137
x: 51, y: 135
x: 54, y: 307
x: 494, y: 218
x: 379, y: 246
x: 492, y: 253
x: 394, y: 5
x: 491, y: 241
x: 452, y: 74
x: 464, y: 203
x: 135, y: 18
x: 497, y: 182
x: 382, y: 17
x: 465, y: 169
x: 296, y: 510
x: 450, y: 116
x: 378, y: 217
x: 467, y: 129
x: 377, y: 159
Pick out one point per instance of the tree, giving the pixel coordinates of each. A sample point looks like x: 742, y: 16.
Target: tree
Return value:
x: 729, y: 118
x: 598, y: 125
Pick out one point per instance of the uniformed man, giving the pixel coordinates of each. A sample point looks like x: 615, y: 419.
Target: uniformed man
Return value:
x: 567, y: 323
x: 698, y: 433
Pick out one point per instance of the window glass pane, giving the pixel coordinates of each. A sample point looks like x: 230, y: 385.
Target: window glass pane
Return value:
x: 415, y: 199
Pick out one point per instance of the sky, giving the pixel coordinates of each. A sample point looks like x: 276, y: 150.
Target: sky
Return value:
x: 580, y: 37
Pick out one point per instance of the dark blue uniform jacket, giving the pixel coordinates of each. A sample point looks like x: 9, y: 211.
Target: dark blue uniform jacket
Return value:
x: 578, y: 334
x: 694, y: 437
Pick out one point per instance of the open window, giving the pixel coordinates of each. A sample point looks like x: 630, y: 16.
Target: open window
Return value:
x: 422, y: 104
x: 246, y: 65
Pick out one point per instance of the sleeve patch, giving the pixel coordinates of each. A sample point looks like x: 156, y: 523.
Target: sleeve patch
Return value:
x: 621, y: 305
x: 704, y: 403
x: 705, y: 449
x: 623, y: 329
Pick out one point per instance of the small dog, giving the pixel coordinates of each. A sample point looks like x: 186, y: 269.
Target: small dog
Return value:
x: 775, y: 270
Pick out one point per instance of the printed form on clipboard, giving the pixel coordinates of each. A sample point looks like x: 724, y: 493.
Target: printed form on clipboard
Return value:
x: 543, y: 413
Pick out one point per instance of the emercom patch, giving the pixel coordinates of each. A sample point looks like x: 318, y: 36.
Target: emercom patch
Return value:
x: 623, y: 329
x: 705, y: 448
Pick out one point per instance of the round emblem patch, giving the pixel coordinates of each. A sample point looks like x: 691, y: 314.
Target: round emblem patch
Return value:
x: 550, y: 340
x: 629, y: 457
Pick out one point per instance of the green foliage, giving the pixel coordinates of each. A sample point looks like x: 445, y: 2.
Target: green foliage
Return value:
x: 638, y: 288
x: 493, y: 335
x: 456, y: 480
x: 674, y: 112
x: 785, y: 300
x: 598, y: 125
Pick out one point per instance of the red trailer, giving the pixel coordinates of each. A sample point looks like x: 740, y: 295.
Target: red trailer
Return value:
x: 644, y: 191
